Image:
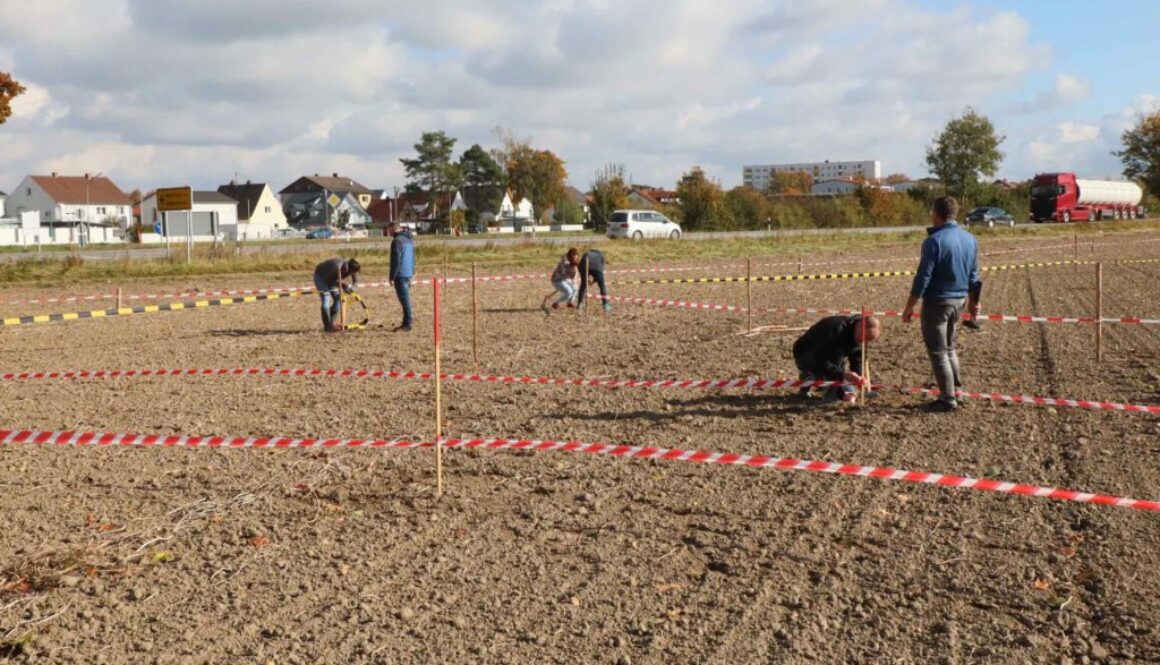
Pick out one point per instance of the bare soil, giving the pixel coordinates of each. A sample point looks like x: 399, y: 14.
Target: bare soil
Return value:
x: 255, y: 556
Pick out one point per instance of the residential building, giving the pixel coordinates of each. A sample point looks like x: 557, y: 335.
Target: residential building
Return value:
x: 908, y: 185
x: 759, y: 176
x: 259, y: 213
x: 214, y: 216
x: 3, y: 198
x: 73, y: 209
x: 834, y: 186
x: 651, y: 198
x: 315, y: 208
x: 328, y: 185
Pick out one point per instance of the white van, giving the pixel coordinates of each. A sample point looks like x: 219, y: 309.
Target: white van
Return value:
x: 637, y: 224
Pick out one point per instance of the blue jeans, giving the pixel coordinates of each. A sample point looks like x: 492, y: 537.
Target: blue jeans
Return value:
x: 567, y: 290
x: 403, y: 291
x: 331, y: 303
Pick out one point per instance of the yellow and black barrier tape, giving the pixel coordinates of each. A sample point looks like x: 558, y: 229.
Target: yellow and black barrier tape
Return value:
x: 146, y: 309
x: 859, y: 275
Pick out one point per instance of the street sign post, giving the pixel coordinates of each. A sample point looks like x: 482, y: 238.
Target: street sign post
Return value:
x: 173, y: 199
x: 170, y: 199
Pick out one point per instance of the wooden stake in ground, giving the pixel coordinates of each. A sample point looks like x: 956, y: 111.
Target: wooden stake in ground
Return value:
x: 862, y: 388
x: 799, y: 264
x: 1075, y: 254
x: 749, y: 295
x: 474, y: 319
x: 437, y: 321
x: 1099, y: 312
x: 118, y: 298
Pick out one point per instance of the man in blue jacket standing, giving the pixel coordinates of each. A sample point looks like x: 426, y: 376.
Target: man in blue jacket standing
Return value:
x: 402, y: 270
x: 947, y: 272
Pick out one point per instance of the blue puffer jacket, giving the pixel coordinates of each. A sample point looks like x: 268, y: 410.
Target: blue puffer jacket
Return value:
x: 949, y: 266
x: 402, y: 256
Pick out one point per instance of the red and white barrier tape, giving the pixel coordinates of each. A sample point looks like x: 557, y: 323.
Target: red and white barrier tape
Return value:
x: 1032, y: 400
x: 28, y: 437
x: 1007, y: 318
x: 746, y: 383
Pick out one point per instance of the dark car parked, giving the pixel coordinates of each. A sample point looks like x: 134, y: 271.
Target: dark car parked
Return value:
x: 320, y: 234
x: 989, y: 217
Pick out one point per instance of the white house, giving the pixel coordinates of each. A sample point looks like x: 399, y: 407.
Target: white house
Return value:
x: 836, y: 186
x: 908, y: 185
x: 509, y: 218
x: 213, y: 216
x: 3, y: 198
x: 259, y: 213
x: 73, y: 209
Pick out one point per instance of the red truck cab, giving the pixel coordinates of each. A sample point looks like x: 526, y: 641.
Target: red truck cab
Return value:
x: 1055, y: 197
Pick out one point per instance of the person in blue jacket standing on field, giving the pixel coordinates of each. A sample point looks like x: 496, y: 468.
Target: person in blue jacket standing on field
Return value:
x: 947, y: 273
x: 402, y: 270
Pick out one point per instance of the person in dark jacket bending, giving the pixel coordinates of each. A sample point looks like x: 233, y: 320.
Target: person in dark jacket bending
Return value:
x: 821, y: 353
x: 328, y: 281
x: 592, y: 270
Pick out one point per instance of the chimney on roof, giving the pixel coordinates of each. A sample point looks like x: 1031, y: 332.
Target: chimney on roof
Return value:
x: 54, y: 174
x: 335, y: 175
x: 247, y: 182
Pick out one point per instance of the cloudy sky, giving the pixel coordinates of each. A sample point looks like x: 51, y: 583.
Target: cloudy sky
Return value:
x: 164, y: 92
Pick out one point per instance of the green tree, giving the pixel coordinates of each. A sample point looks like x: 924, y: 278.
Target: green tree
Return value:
x: 483, y: 173
x: 700, y: 199
x: 1141, y: 153
x: 790, y: 183
x: 609, y: 192
x: 536, y: 175
x: 967, y: 149
x: 480, y: 169
x: 432, y: 172
x: 746, y: 208
x: 10, y: 88
x: 568, y: 212
x: 895, y: 178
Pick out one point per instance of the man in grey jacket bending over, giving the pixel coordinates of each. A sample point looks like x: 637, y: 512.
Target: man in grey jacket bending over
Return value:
x: 947, y: 272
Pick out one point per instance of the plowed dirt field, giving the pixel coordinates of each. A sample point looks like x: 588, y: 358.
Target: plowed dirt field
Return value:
x: 130, y: 555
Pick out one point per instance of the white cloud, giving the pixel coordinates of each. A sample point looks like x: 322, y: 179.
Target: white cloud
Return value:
x: 1088, y: 148
x: 1075, y: 132
x: 194, y: 90
x: 1068, y: 90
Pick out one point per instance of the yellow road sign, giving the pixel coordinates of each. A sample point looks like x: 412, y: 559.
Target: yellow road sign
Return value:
x: 170, y: 199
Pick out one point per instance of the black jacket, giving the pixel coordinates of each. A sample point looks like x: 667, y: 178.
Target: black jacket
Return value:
x: 592, y: 261
x: 333, y: 271
x: 825, y: 347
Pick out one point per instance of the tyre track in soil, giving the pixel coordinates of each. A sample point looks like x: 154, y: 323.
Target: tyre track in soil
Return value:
x: 1080, y: 520
x: 318, y: 603
x: 809, y: 615
x: 1119, y: 612
x: 774, y: 626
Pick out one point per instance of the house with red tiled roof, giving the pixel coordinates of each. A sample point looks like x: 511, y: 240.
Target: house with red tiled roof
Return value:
x: 652, y: 197
x: 75, y: 209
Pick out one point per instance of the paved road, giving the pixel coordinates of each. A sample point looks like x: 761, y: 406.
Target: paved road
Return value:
x: 145, y: 253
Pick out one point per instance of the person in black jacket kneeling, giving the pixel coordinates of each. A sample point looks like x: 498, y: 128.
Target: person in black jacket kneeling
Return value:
x: 822, y: 352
